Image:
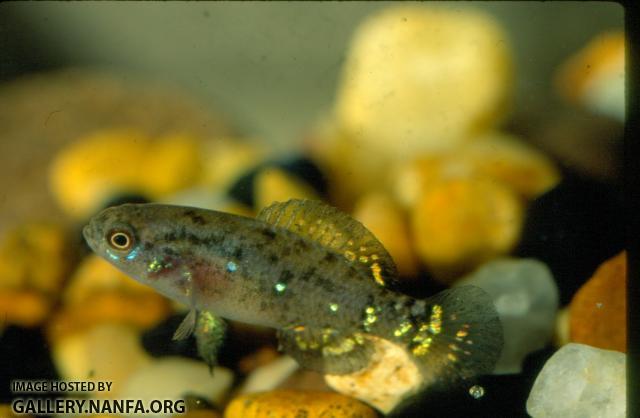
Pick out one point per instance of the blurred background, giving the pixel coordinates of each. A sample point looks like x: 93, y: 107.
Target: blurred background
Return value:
x: 272, y: 67
x: 479, y: 141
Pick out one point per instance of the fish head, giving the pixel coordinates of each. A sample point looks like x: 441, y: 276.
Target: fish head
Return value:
x: 133, y: 238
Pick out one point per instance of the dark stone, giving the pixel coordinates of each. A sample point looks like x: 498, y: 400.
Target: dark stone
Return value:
x: 158, y: 340
x: 574, y: 228
x: 300, y: 167
x: 307, y: 170
x: 236, y: 345
x: 24, y: 355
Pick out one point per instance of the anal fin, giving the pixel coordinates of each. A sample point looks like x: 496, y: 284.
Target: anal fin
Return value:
x: 326, y: 350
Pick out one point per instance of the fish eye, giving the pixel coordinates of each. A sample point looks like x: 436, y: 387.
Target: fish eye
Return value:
x: 120, y: 240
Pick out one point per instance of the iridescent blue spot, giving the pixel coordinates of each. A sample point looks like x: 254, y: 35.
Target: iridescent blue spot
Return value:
x: 113, y: 256
x: 231, y: 267
x: 132, y: 254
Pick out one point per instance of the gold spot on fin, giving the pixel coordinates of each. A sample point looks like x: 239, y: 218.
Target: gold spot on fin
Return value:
x: 326, y: 350
x: 450, y: 319
x: 336, y: 231
x: 186, y: 327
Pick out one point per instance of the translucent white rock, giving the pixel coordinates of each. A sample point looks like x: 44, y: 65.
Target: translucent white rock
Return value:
x: 580, y: 381
x: 103, y: 352
x: 174, y: 378
x: 526, y: 298
x: 269, y: 376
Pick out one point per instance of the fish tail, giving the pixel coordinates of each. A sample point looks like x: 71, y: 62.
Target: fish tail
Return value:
x: 453, y: 336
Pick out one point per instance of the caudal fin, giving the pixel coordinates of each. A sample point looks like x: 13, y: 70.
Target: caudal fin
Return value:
x: 459, y: 337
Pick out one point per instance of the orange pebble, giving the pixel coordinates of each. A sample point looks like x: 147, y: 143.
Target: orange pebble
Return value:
x: 459, y: 223
x: 603, y: 57
x: 598, y: 309
x: 386, y: 220
x: 296, y: 403
x: 23, y: 307
x: 142, y: 310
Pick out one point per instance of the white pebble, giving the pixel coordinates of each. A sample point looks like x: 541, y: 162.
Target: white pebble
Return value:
x: 580, y: 381
x: 175, y: 377
x: 526, y: 298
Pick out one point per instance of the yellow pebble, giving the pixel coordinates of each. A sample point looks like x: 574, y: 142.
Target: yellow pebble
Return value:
x: 496, y: 156
x: 460, y: 223
x: 511, y: 161
x: 561, y: 329
x: 171, y: 164
x: 423, y: 78
x: 275, y: 185
x: 23, y: 307
x: 595, y: 76
x: 228, y: 158
x: 98, y: 293
x: 294, y: 404
x: 94, y: 275
x: 386, y: 220
x: 92, y: 170
x: 7, y: 412
x: 352, y: 170
x: 34, y: 256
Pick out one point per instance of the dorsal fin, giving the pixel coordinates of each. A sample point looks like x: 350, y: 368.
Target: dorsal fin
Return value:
x: 336, y: 231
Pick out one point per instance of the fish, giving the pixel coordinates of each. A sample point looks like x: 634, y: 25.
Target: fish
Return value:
x: 317, y: 276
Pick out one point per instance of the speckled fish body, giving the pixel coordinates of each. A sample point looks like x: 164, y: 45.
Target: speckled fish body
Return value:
x: 306, y: 269
x: 239, y: 268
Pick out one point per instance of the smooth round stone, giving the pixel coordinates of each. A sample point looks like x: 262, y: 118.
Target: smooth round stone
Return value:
x: 422, y: 78
x: 280, y: 180
x: 381, y: 215
x: 107, y: 352
x: 35, y: 255
x: 276, y: 185
x: 580, y: 381
x: 93, y: 101
x: 502, y: 157
x: 269, y: 376
x: 175, y: 378
x: 595, y: 76
x: 463, y: 221
x: 83, y: 176
x: 25, y: 308
x: 526, y: 298
x: 99, y: 293
x: 297, y: 404
x: 598, y: 312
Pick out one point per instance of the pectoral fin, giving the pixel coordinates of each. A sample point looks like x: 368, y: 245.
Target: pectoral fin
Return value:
x: 209, y: 332
x: 186, y: 327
